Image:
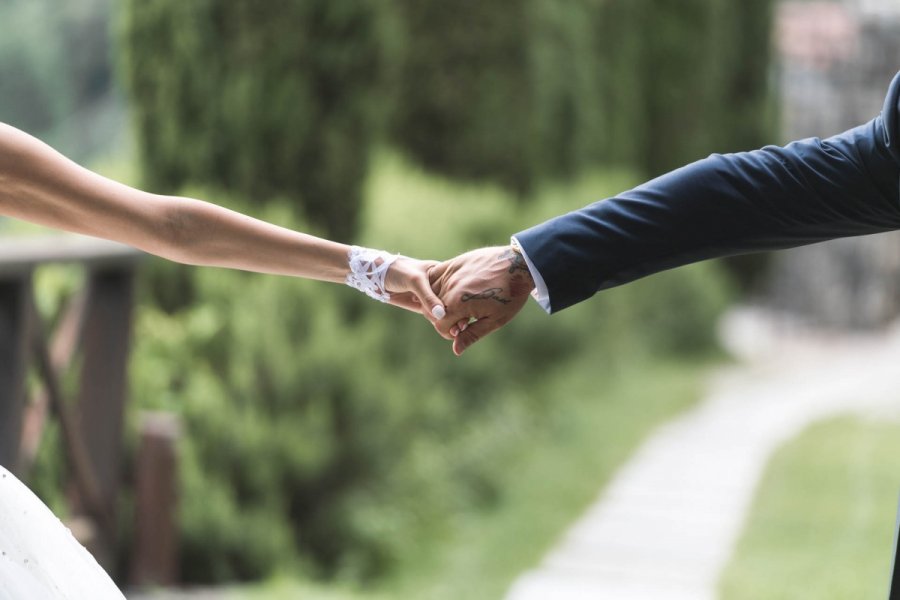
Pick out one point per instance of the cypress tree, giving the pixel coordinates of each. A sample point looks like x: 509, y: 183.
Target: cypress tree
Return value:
x: 276, y: 98
x: 501, y: 91
x: 683, y: 78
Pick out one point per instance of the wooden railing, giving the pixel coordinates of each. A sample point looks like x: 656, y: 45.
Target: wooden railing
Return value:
x: 96, y: 328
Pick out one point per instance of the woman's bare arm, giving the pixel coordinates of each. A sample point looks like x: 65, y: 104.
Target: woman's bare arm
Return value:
x: 40, y: 185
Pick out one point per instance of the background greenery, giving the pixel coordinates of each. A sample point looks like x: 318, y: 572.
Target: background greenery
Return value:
x: 286, y: 98
x: 265, y: 98
x: 833, y: 489
x: 346, y: 433
x: 324, y: 433
x: 56, y: 78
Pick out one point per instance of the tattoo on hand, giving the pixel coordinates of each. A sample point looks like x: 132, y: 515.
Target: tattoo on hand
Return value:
x: 516, y: 262
x: 488, y: 294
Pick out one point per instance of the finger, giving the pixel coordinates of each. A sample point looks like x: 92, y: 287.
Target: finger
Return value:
x: 460, y: 326
x: 429, y: 300
x: 444, y: 334
x: 473, y: 333
x: 449, y: 326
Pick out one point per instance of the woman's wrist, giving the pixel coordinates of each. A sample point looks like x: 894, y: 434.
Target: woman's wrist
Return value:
x: 368, y: 269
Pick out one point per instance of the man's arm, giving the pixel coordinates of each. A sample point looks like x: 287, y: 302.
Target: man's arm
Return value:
x: 808, y: 191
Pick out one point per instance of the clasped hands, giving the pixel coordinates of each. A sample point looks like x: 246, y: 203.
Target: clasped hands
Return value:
x: 466, y: 297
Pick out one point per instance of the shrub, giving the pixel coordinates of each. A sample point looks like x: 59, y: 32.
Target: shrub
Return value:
x: 324, y: 428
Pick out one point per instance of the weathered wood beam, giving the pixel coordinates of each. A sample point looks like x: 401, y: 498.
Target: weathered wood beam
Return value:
x: 77, y: 457
x: 64, y: 342
x: 155, y: 555
x: 103, y: 385
x: 15, y: 304
x: 22, y: 255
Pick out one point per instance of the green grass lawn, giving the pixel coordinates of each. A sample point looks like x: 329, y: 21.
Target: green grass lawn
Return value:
x: 544, y: 491
x: 823, y: 520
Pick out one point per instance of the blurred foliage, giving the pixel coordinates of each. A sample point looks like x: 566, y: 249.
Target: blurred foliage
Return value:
x: 328, y: 431
x: 518, y: 91
x: 685, y: 78
x: 586, y: 433
x: 504, y: 91
x: 324, y: 431
x: 265, y: 98
x: 33, y: 93
x: 55, y: 75
x: 285, y: 98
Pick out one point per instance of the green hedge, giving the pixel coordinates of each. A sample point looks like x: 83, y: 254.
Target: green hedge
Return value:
x: 266, y: 98
x: 519, y: 91
x: 328, y: 431
x: 503, y: 91
x: 285, y: 98
x: 701, y: 82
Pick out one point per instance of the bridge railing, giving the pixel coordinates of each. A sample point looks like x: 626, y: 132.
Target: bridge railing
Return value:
x: 93, y: 333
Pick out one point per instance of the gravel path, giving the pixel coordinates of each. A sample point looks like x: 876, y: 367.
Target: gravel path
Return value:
x: 668, y: 522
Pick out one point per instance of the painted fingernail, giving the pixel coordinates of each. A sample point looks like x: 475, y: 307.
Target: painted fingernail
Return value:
x: 439, y: 312
x: 463, y: 327
x: 454, y: 331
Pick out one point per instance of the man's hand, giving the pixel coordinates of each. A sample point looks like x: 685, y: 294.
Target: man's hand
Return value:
x: 482, y: 290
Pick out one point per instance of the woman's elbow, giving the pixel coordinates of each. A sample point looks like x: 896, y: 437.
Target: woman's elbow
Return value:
x: 172, y: 232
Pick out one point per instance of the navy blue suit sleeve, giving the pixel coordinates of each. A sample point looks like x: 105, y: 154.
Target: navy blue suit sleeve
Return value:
x: 773, y: 198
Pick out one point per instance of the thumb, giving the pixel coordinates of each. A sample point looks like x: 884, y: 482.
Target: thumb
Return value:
x: 473, y: 333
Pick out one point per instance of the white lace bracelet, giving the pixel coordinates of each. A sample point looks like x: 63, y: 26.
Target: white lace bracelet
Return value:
x: 366, y: 274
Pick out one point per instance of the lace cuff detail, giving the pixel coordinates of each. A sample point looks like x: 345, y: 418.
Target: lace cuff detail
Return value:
x: 367, y: 273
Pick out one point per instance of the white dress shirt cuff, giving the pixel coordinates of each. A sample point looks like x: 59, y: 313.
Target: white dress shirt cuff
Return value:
x: 540, y: 292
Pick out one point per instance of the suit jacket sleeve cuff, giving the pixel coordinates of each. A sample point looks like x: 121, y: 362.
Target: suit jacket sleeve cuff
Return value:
x: 540, y: 292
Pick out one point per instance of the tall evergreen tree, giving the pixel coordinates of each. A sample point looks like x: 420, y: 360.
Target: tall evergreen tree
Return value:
x: 502, y: 91
x: 276, y: 98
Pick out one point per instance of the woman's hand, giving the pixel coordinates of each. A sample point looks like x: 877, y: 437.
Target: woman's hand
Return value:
x: 408, y: 284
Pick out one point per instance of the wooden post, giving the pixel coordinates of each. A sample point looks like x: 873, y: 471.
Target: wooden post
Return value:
x: 103, y: 385
x: 155, y: 555
x: 92, y: 430
x: 15, y: 306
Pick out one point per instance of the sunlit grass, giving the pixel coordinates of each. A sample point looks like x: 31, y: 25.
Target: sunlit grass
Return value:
x: 597, y: 428
x: 822, y: 524
x: 544, y: 491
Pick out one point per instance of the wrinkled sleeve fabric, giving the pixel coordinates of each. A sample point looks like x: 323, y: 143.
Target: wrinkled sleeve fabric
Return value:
x: 809, y: 191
